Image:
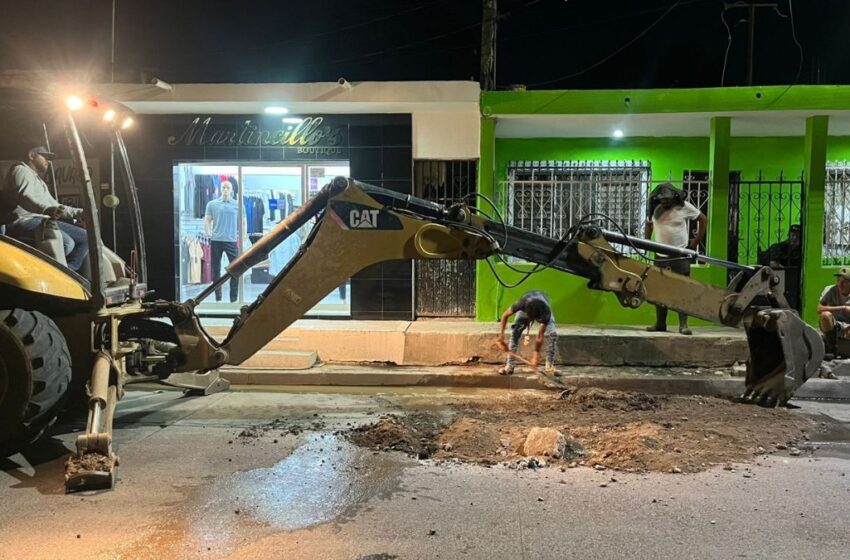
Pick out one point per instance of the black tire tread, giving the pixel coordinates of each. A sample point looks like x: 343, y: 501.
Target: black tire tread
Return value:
x: 51, y: 370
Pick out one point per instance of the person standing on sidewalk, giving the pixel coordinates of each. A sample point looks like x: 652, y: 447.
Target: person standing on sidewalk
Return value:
x: 532, y: 306
x: 669, y: 217
x: 220, y: 224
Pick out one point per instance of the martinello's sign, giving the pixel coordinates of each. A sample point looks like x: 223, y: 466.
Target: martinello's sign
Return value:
x: 310, y: 136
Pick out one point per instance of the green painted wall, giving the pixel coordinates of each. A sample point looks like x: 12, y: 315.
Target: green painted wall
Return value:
x: 668, y: 157
x: 621, y: 101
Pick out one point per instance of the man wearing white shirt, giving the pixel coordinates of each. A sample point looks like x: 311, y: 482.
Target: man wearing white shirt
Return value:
x: 669, y: 217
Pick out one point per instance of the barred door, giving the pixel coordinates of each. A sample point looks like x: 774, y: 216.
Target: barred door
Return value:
x: 761, y: 214
x: 445, y: 288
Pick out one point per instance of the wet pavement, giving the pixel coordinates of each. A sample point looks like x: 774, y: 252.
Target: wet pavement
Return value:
x: 260, y: 475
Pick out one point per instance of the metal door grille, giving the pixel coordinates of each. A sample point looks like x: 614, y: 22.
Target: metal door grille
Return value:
x: 445, y: 288
x: 765, y: 210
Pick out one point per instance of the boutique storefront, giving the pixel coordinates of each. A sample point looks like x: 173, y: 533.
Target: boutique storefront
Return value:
x: 215, y: 172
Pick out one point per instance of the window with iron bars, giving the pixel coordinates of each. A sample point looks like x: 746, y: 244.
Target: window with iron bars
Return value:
x: 549, y: 197
x: 836, y: 214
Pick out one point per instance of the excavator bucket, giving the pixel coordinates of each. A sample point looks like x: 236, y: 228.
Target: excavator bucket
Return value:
x: 784, y: 353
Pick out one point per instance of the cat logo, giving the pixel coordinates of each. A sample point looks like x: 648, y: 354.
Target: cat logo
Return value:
x: 363, y: 219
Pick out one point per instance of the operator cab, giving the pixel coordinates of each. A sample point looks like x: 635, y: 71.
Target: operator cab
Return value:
x: 67, y: 126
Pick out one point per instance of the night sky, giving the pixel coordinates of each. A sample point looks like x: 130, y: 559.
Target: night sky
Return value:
x: 545, y: 44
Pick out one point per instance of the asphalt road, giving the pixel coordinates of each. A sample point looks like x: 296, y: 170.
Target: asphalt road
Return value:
x: 191, y: 487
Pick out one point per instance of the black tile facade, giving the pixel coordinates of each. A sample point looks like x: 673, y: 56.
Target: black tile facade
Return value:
x: 379, y: 151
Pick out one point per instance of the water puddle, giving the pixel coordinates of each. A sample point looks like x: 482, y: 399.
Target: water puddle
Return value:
x: 325, y: 479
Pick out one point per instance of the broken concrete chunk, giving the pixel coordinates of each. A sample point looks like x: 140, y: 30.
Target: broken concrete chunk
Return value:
x: 544, y: 442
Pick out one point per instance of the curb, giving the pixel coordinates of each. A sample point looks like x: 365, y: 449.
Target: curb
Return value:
x: 391, y: 377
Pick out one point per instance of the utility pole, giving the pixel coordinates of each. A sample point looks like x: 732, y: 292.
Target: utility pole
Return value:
x: 752, y: 5
x: 489, y: 15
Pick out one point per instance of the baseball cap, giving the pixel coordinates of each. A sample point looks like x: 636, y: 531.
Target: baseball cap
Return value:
x: 41, y: 150
x: 844, y: 272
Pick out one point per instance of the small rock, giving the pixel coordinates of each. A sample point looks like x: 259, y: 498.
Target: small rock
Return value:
x: 760, y: 449
x: 794, y: 452
x: 79, y: 536
x: 599, y: 467
x: 727, y: 467
x: 447, y: 447
x: 539, y: 499
x: 236, y: 512
x: 713, y: 521
x: 676, y: 470
x: 654, y: 501
x: 747, y: 475
x: 432, y: 532
x: 781, y: 446
x: 562, y: 481
x: 604, y: 485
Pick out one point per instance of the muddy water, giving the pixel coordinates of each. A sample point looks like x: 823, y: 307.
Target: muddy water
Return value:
x: 324, y: 480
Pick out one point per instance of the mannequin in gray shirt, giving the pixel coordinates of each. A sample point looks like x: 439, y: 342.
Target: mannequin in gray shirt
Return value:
x: 25, y: 202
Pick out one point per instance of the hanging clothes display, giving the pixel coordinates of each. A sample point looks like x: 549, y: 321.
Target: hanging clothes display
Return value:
x: 254, y: 213
x: 196, y: 249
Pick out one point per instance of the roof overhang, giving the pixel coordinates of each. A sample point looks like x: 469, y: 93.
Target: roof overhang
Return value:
x: 306, y: 98
x: 774, y: 123
x: 754, y: 111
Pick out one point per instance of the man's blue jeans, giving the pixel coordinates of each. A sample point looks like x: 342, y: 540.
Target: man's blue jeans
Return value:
x: 73, y: 238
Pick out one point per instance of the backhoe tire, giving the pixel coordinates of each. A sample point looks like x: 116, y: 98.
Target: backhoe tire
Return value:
x: 35, y: 372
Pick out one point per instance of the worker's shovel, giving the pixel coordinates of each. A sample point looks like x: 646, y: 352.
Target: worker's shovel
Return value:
x: 536, y: 369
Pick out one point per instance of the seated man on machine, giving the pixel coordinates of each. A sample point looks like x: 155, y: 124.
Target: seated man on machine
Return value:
x: 26, y: 205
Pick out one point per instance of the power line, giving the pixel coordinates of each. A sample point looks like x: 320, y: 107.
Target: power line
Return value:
x: 389, y: 50
x: 610, y: 56
x: 583, y: 24
x: 383, y: 17
x: 799, y: 48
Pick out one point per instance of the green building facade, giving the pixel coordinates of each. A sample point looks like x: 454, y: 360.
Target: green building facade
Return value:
x: 770, y: 145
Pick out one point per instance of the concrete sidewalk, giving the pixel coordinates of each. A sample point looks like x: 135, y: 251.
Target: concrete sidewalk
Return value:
x: 676, y: 380
x: 443, y: 342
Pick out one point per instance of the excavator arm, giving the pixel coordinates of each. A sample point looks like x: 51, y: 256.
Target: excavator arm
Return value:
x: 357, y: 225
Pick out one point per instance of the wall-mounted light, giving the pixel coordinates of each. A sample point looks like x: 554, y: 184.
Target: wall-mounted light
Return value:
x: 276, y: 110
x: 109, y: 115
x: 618, y: 133
x: 128, y: 122
x: 292, y: 120
x: 161, y: 84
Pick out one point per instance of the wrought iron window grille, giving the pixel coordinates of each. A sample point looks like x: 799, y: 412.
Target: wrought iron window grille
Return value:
x: 549, y: 197
x: 836, y: 214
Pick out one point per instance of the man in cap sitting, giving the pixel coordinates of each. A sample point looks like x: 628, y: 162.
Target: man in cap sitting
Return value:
x: 834, y: 310
x: 26, y: 202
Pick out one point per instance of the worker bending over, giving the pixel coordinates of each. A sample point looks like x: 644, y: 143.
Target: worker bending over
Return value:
x: 532, y: 306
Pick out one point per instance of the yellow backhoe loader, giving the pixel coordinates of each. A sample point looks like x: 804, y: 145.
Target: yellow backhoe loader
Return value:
x: 60, y: 331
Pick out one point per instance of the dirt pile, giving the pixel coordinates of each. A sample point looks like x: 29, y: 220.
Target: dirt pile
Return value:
x: 415, y: 434
x: 622, y: 430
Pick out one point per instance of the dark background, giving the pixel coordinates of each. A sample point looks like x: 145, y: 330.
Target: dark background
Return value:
x: 542, y: 43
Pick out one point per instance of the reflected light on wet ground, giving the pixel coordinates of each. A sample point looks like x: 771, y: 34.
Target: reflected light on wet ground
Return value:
x: 322, y: 480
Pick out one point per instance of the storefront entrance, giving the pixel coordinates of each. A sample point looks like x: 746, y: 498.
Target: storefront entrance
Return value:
x: 260, y: 195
